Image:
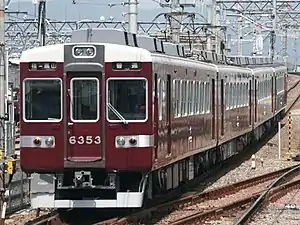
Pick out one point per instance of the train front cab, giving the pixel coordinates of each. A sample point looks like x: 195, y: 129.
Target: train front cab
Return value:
x: 98, y: 149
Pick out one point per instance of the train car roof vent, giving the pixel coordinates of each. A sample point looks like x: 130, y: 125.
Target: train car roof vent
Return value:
x: 147, y: 42
x: 209, y: 56
x: 170, y: 49
x: 103, y: 35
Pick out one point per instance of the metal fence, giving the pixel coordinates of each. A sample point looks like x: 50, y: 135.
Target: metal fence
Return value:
x: 17, y: 195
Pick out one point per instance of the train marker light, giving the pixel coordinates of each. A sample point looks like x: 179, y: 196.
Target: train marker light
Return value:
x: 133, y: 141
x: 37, y: 141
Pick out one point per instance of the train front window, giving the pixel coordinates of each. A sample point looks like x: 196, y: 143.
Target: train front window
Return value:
x: 84, y: 99
x: 127, y: 100
x: 42, y: 100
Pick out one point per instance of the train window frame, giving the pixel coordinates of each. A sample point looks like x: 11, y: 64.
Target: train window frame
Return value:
x: 146, y: 102
x: 71, y: 101
x: 24, y: 103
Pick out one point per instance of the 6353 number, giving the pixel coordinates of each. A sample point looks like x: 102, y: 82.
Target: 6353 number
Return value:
x: 85, y: 140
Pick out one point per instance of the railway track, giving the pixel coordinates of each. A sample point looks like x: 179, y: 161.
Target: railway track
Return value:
x: 198, y: 208
x: 181, y: 204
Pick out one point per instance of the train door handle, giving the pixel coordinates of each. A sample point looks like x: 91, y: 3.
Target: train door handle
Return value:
x: 70, y: 124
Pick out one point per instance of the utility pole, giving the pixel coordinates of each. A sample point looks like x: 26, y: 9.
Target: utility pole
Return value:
x: 42, y: 22
x: 273, y: 32
x: 175, y: 21
x: 132, y: 16
x: 2, y: 105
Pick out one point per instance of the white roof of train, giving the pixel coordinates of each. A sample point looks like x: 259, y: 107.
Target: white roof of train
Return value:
x: 113, y: 53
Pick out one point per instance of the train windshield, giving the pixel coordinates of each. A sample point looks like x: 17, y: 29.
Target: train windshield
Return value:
x: 126, y: 100
x: 42, y: 99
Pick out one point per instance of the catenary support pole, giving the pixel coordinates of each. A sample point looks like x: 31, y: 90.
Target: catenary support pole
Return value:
x: 132, y: 16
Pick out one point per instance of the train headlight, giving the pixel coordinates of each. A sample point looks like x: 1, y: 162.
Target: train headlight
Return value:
x: 37, y: 141
x: 78, y: 51
x: 120, y: 141
x: 49, y: 141
x: 87, y: 51
x: 90, y: 51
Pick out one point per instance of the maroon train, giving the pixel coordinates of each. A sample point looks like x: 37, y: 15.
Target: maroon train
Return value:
x: 105, y: 125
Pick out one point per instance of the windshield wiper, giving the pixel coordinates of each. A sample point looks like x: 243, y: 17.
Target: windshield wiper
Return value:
x: 117, y: 113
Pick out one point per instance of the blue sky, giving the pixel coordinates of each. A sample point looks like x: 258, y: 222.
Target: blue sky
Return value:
x: 94, y: 9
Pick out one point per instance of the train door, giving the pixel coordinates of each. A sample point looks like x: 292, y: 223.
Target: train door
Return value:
x: 222, y: 106
x: 169, y: 111
x: 273, y: 93
x: 250, y: 102
x: 83, y: 117
x: 155, y: 115
x: 213, y: 107
x: 255, y: 100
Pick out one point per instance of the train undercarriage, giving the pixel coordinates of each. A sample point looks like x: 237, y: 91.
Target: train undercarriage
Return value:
x: 96, y: 188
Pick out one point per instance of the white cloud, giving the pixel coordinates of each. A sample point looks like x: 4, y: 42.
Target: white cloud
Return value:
x: 148, y: 4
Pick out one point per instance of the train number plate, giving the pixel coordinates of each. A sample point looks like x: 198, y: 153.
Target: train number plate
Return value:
x: 85, y: 140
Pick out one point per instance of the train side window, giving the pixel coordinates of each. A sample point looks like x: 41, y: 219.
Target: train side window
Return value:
x: 233, y: 95
x: 197, y: 91
x: 183, y: 97
x: 190, y: 91
x: 174, y: 100
x: 177, y: 97
x: 236, y: 94
x: 202, y: 97
x: 229, y: 95
x: 205, y: 102
x: 239, y: 94
x: 258, y: 90
x: 159, y: 96
x: 208, y: 98
x: 225, y: 95
x: 246, y: 94
x: 163, y: 98
x: 193, y: 98
x: 242, y: 96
